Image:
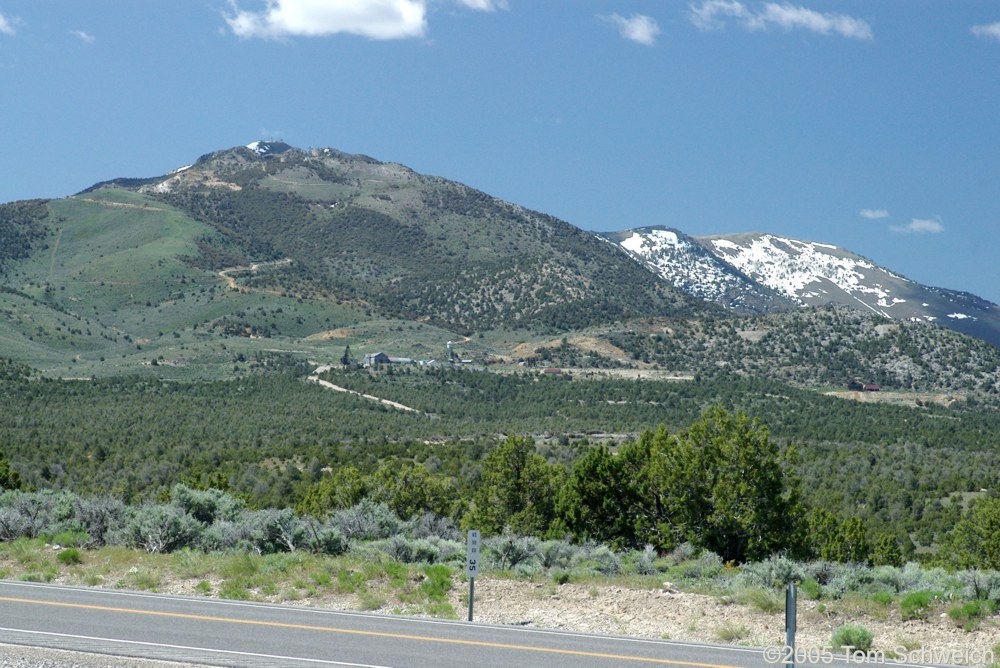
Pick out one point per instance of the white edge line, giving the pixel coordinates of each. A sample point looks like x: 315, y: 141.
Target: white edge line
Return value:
x: 183, y: 647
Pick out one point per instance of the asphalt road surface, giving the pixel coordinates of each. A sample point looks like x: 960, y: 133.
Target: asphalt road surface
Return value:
x: 235, y: 633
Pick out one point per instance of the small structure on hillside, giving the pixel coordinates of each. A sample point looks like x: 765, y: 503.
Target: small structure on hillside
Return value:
x: 401, y: 360
x: 375, y: 359
x: 858, y: 386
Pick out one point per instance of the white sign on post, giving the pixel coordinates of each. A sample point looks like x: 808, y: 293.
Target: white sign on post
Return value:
x: 472, y: 554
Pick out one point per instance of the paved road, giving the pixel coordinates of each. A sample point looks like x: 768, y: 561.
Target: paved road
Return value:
x: 232, y: 633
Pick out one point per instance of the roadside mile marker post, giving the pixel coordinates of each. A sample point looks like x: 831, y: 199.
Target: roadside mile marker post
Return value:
x: 472, y: 565
x: 790, y: 624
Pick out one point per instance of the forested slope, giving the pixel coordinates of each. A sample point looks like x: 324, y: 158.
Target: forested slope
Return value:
x: 271, y: 436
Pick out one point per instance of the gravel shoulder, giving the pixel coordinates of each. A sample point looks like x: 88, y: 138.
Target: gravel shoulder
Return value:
x: 666, y: 613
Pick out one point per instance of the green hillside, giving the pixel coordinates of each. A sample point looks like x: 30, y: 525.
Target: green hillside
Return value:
x: 108, y: 282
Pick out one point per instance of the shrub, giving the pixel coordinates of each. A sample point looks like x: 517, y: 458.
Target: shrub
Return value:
x: 235, y: 589
x: 969, y: 615
x: 437, y: 583
x: 448, y: 550
x: 888, y: 577
x: 597, y: 558
x: 34, y: 514
x: 98, y: 516
x: 683, y: 552
x: 398, y: 548
x: 916, y: 605
x: 323, y: 538
x: 424, y: 551
x: 13, y: 525
x: 979, y: 584
x: 846, y: 578
x: 275, y: 530
x: 70, y: 556
x: 225, y: 535
x: 159, y: 528
x: 731, y: 633
x: 366, y: 520
x: 811, y: 589
x: 882, y: 597
x: 776, y: 571
x: 764, y: 600
x: 417, y: 551
x: 557, y: 553
x: 508, y: 551
x: 707, y: 565
x: 208, y: 505
x: 646, y: 563
x: 820, y: 571
x: 852, y: 635
x: 430, y: 525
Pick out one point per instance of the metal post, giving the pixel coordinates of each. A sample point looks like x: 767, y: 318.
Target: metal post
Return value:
x: 472, y: 565
x: 790, y: 624
x: 472, y: 595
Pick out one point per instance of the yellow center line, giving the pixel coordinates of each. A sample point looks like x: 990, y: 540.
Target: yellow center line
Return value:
x: 378, y: 634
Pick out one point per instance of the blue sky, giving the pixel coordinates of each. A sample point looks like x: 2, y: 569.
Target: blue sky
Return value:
x: 871, y: 125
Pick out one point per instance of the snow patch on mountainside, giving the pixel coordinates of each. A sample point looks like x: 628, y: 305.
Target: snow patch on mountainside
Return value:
x: 682, y: 263
x: 655, y: 241
x: 687, y: 265
x: 808, y: 271
x: 268, y: 148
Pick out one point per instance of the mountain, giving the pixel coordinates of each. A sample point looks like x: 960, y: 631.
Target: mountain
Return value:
x: 736, y: 270
x: 413, y: 246
x: 267, y: 248
x: 256, y: 256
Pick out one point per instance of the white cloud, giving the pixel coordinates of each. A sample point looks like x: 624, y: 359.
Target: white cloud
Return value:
x: 84, y: 37
x: 377, y: 19
x: 637, y: 28
x: 790, y: 18
x: 874, y: 214
x: 709, y: 15
x: 990, y: 31
x: 712, y: 14
x: 6, y: 25
x: 484, y: 5
x: 919, y: 226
